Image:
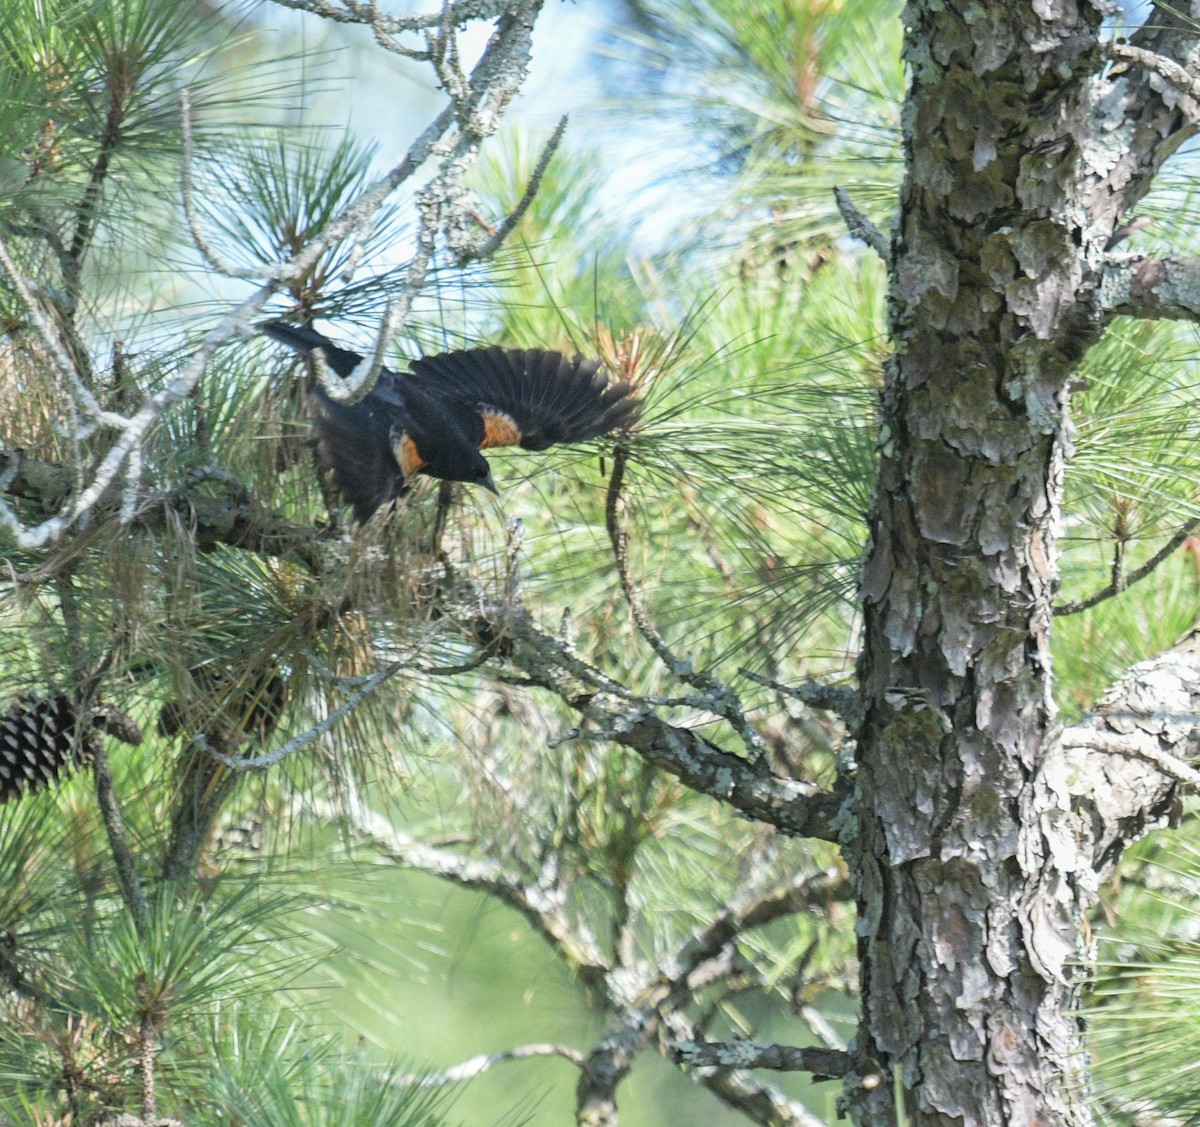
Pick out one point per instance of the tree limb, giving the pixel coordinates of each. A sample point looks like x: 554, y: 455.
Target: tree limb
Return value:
x: 1176, y: 75
x: 759, y: 1101
x: 1133, y: 285
x: 476, y: 1066
x: 237, y: 520
x: 542, y: 905
x: 823, y: 1063
x: 861, y: 228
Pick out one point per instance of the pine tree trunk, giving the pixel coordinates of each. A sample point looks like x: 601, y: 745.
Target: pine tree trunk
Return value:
x: 969, y: 902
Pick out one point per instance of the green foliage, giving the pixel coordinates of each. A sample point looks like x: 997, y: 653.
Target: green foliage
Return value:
x: 756, y: 339
x: 1143, y: 1009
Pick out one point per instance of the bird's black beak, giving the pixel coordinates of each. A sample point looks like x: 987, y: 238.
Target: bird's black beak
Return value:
x: 490, y: 485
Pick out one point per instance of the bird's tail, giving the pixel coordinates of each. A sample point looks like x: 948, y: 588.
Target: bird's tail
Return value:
x: 305, y: 341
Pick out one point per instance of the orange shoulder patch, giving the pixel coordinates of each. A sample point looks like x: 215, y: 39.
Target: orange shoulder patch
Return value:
x: 407, y: 456
x: 499, y: 429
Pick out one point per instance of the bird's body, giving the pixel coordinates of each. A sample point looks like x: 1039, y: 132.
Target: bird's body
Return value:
x: 437, y: 419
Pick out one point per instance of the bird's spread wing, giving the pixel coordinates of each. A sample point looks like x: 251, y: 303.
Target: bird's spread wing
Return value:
x: 528, y: 398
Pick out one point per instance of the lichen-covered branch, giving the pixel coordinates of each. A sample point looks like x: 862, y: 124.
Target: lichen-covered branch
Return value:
x: 1178, y: 77
x: 543, y: 905
x: 758, y: 1054
x: 795, y: 807
x: 236, y: 519
x: 1162, y: 288
x: 759, y: 1101
x: 860, y: 227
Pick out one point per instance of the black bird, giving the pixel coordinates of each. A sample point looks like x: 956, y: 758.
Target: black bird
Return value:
x: 436, y: 419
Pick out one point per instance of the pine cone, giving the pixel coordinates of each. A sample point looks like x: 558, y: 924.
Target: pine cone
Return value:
x: 38, y: 744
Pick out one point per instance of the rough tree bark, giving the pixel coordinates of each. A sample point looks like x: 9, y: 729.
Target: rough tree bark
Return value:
x: 976, y: 844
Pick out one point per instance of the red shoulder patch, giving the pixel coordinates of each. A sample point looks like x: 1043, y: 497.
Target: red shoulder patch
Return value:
x: 407, y: 456
x: 499, y: 428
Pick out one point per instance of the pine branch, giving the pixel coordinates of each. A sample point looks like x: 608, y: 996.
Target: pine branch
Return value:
x: 1156, y: 288
x: 1123, y: 582
x: 236, y: 520
x: 542, y: 904
x: 478, y: 1065
x: 823, y: 1063
x: 496, y: 237
x: 759, y: 1101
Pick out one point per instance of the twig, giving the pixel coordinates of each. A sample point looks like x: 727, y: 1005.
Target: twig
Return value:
x: 1120, y: 583
x: 352, y: 11
x: 757, y: 1054
x: 476, y: 1066
x: 1169, y: 70
x: 359, y: 383
x: 715, y: 696
x: 298, y: 743
x: 758, y: 1100
x: 186, y: 189
x: 118, y: 843
x: 861, y: 228
x: 842, y: 701
x: 490, y: 245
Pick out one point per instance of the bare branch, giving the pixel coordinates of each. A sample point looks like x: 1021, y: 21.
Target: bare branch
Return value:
x: 492, y: 244
x: 476, y: 1066
x: 1177, y: 76
x: 756, y: 909
x: 542, y: 904
x: 351, y: 11
x: 761, y: 1102
x: 793, y: 806
x: 718, y: 697
x: 359, y: 383
x: 841, y: 700
x: 118, y: 842
x: 187, y: 191
x: 861, y: 228
x: 1136, y: 745
x: 301, y: 741
x: 1157, y: 288
x: 1122, y: 582
x: 757, y: 1054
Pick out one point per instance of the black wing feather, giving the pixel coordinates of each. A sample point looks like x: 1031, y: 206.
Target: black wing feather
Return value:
x: 356, y: 443
x: 355, y: 440
x: 550, y: 398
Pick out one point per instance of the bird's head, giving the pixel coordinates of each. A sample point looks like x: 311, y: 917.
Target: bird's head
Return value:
x: 462, y: 463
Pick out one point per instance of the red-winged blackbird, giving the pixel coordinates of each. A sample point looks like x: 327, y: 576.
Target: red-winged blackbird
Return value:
x: 436, y: 419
